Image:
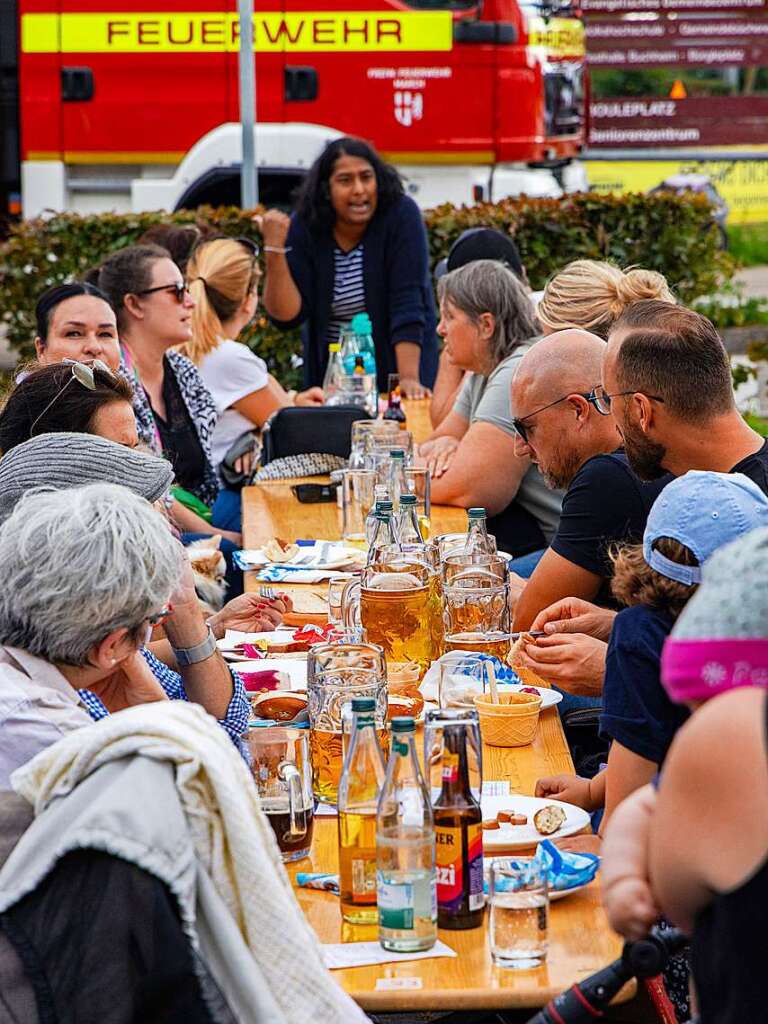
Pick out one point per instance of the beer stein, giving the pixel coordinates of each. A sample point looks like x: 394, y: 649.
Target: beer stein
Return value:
x: 336, y: 673
x: 427, y: 554
x: 391, y: 603
x: 361, y: 430
x: 282, y: 771
x: 476, y: 609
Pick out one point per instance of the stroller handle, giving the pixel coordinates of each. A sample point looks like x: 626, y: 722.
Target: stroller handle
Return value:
x: 585, y: 1000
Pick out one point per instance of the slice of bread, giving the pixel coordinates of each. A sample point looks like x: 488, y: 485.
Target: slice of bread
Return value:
x: 549, y: 819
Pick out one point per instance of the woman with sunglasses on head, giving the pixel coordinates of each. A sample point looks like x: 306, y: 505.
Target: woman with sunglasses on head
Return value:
x: 69, y: 396
x: 175, y: 413
x: 223, y: 276
x: 355, y: 244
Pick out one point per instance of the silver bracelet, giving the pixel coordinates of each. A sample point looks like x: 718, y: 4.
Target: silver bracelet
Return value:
x: 200, y: 652
x: 282, y: 249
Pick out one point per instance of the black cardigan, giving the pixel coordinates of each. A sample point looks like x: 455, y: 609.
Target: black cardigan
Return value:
x: 398, y: 290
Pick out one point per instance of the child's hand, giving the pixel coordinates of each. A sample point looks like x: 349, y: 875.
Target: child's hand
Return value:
x: 570, y: 788
x: 630, y: 906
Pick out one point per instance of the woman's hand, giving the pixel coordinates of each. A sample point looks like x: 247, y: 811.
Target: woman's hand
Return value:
x: 572, y: 615
x: 312, y: 396
x: 273, y: 225
x: 250, y: 613
x: 438, y: 454
x: 573, y: 661
x: 411, y: 387
x: 244, y: 463
x: 236, y: 538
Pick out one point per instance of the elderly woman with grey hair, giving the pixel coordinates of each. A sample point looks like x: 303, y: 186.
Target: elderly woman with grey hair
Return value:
x: 84, y: 576
x: 487, y: 323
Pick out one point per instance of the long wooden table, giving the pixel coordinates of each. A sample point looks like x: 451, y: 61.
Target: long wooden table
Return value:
x: 580, y: 939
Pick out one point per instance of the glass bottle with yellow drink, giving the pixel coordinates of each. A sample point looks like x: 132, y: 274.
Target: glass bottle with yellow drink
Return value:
x: 359, y: 787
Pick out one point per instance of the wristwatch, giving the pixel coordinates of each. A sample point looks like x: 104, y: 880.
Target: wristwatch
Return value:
x: 192, y: 655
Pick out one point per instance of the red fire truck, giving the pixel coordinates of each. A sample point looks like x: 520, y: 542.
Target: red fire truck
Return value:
x: 134, y: 104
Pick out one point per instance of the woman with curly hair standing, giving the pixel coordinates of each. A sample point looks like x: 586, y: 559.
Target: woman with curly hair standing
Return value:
x: 356, y: 243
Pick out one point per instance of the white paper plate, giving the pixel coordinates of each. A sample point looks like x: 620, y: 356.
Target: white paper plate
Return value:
x: 517, y: 837
x: 548, y: 697
x: 337, y: 556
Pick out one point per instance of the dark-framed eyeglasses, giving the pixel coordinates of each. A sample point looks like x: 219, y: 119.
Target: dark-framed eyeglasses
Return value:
x: 178, y: 289
x: 83, y: 374
x: 603, y: 399
x: 590, y: 396
x: 160, y: 617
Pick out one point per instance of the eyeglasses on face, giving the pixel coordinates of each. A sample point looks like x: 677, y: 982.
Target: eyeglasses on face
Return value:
x: 519, y: 424
x: 83, y: 374
x: 603, y: 403
x: 160, y: 617
x: 178, y: 289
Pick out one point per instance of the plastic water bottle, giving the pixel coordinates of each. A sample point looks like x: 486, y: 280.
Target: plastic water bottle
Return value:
x: 361, y: 325
x: 406, y: 880
x: 349, y: 349
x: 334, y: 372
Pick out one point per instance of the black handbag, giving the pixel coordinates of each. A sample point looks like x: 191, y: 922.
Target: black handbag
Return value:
x: 324, y: 430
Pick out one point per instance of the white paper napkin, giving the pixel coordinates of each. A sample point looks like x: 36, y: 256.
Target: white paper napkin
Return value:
x: 364, y: 954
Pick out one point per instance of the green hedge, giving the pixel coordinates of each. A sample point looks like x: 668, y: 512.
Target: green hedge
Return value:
x: 665, y: 232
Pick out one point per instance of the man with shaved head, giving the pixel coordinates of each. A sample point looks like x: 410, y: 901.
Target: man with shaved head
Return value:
x: 563, y: 428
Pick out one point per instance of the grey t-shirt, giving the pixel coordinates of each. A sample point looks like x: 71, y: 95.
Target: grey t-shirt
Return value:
x: 488, y: 400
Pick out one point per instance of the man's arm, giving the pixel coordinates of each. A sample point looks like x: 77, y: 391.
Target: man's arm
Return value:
x: 553, y: 579
x: 484, y: 471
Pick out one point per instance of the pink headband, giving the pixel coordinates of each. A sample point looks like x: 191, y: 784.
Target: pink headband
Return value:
x: 700, y: 669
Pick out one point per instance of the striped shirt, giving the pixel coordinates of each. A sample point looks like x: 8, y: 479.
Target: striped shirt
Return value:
x: 348, y: 289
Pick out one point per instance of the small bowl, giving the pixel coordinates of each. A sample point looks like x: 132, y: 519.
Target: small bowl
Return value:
x: 510, y: 723
x: 281, y: 706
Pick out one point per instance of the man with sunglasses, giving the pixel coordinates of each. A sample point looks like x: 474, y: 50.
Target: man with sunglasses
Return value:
x: 564, y: 427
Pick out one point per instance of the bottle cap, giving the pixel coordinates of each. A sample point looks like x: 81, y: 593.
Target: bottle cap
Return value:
x: 408, y: 499
x: 334, y: 347
x: 476, y: 513
x: 363, y: 704
x: 361, y: 323
x: 403, y: 724
x: 398, y: 453
x: 385, y: 505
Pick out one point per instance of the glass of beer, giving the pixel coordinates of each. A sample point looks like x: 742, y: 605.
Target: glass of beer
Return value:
x: 336, y: 673
x: 392, y: 606
x: 282, y: 771
x: 476, y: 612
x: 473, y: 571
x: 428, y: 555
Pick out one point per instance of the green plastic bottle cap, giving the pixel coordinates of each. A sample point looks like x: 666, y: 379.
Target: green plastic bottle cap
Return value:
x: 476, y: 513
x: 397, y: 453
x: 403, y: 724
x: 363, y: 704
x: 385, y: 505
x: 407, y: 499
x: 334, y: 347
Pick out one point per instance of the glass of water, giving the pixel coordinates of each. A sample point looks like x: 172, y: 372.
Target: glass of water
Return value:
x: 519, y: 901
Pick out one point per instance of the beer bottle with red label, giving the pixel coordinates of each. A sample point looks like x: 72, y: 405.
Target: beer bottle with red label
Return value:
x: 459, y: 838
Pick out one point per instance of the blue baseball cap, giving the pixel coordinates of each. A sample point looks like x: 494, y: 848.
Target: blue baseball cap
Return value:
x: 703, y: 511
